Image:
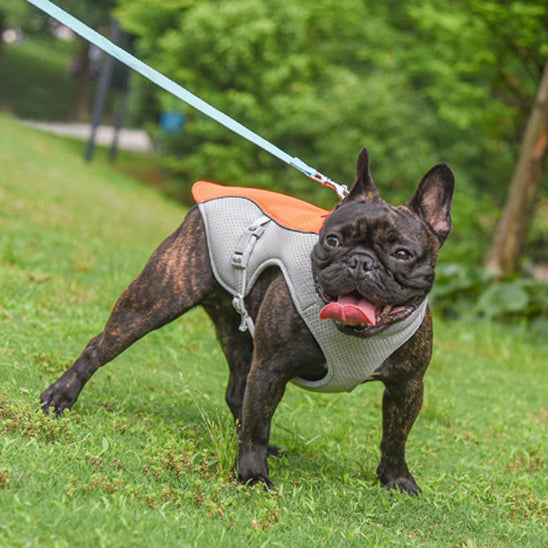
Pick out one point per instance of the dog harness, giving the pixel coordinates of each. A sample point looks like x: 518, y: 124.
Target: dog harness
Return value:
x: 249, y: 230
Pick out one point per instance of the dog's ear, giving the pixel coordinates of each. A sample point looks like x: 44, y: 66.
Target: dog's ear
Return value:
x: 363, y: 188
x: 432, y: 200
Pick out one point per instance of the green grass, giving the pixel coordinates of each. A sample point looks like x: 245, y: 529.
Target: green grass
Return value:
x: 35, y: 81
x: 145, y: 456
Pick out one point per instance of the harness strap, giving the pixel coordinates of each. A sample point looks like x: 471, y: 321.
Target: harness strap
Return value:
x: 240, y: 259
x: 350, y: 360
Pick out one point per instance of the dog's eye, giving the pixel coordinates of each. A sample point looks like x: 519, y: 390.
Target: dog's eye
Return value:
x: 402, y: 255
x: 332, y: 241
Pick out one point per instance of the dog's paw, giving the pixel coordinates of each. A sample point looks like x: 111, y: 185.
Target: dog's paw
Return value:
x: 253, y: 479
x: 406, y: 484
x: 252, y: 465
x: 57, y: 398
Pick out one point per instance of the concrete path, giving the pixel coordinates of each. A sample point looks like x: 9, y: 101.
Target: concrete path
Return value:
x: 135, y: 140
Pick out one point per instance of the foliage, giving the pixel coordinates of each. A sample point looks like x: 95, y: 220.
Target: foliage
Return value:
x: 275, y: 67
x: 15, y: 13
x: 279, y: 69
x: 467, y: 290
x: 142, y: 459
x: 95, y: 13
x: 417, y: 81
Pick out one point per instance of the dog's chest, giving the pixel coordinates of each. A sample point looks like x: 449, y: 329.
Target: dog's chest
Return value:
x: 243, y: 242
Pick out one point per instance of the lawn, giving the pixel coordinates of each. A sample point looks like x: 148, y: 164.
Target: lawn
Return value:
x: 35, y: 79
x: 145, y: 456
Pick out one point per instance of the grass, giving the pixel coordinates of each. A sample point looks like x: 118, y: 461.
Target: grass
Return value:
x: 35, y: 79
x: 145, y: 456
x: 36, y: 85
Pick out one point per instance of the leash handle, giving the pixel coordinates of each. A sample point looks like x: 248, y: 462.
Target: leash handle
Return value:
x: 180, y: 92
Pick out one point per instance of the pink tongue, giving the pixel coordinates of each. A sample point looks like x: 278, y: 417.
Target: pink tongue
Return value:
x: 350, y: 311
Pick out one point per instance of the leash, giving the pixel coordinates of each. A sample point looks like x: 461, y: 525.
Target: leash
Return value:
x: 181, y: 93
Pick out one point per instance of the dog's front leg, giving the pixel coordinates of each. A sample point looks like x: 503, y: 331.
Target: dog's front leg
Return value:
x: 283, y: 349
x: 265, y: 387
x: 402, y: 375
x: 400, y: 407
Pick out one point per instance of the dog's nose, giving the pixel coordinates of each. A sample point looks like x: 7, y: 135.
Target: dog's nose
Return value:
x: 361, y: 263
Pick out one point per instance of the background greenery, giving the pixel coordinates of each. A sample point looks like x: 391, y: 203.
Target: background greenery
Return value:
x: 429, y: 79
x: 39, y: 84
x: 144, y: 458
x: 418, y: 82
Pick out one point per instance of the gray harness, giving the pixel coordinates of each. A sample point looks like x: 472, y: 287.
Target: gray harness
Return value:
x: 243, y: 242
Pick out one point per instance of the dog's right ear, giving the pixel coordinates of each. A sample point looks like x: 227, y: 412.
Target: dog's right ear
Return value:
x: 363, y: 188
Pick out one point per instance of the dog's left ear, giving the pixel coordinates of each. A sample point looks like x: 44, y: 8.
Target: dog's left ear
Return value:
x: 363, y: 189
x: 432, y: 200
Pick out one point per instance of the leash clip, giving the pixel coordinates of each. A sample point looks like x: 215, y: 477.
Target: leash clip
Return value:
x: 311, y: 173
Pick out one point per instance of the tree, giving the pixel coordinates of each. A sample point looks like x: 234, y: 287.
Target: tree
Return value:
x: 419, y: 82
x: 96, y: 14
x: 479, y: 62
x: 317, y: 79
x: 12, y: 13
x: 505, y: 253
x: 483, y: 78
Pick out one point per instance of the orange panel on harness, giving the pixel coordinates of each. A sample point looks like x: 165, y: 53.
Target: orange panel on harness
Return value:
x: 288, y: 211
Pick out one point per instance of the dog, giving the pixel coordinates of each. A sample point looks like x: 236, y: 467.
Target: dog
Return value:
x: 371, y: 269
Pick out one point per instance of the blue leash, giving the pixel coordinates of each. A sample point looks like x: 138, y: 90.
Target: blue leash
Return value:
x: 180, y: 92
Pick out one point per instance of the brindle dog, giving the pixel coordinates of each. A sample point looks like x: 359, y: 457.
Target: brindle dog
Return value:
x: 379, y: 256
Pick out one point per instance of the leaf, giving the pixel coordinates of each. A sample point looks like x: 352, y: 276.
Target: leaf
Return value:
x: 501, y: 298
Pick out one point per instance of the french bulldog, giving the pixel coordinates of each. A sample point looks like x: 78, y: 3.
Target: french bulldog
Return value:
x: 373, y: 265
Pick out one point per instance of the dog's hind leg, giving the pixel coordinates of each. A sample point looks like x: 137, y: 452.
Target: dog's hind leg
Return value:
x: 175, y: 279
x: 237, y: 347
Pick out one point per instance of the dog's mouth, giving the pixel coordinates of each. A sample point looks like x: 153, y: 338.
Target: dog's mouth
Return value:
x: 355, y: 313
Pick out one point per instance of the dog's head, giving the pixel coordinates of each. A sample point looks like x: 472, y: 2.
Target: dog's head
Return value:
x: 374, y: 263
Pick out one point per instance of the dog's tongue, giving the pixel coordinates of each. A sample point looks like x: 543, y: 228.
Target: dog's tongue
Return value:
x: 350, y: 311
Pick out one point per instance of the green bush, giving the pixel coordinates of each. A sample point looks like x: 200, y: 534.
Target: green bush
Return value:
x: 464, y: 290
x: 418, y: 82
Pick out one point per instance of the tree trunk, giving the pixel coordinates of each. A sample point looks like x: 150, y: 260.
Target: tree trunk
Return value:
x: 2, y: 24
x: 81, y: 106
x: 504, y: 255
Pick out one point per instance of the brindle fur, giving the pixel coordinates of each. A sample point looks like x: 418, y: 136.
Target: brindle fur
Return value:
x: 177, y: 278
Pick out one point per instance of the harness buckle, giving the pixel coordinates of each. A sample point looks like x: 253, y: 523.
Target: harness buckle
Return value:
x: 247, y: 241
x: 240, y: 259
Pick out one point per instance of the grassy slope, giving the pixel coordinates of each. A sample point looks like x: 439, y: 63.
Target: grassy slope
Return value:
x: 144, y: 458
x: 35, y: 81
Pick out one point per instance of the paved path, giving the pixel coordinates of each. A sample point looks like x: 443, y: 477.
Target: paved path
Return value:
x: 135, y: 140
